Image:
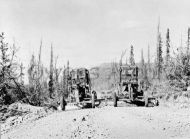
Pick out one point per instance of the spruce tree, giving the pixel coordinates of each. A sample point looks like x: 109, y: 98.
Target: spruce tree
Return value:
x: 8, y: 76
x: 64, y: 81
x: 159, y: 54
x: 4, y: 63
x: 188, y: 41
x: 149, y: 66
x: 31, y: 70
x: 132, y: 60
x: 21, y: 74
x: 51, y: 82
x: 67, y: 77
x: 187, y: 58
x: 35, y: 76
x: 142, y: 63
x: 167, y: 46
x: 188, y: 45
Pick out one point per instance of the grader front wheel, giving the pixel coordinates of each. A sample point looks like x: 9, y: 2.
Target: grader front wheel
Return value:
x: 114, y: 99
x: 93, y: 100
x: 146, y: 102
x: 63, y: 103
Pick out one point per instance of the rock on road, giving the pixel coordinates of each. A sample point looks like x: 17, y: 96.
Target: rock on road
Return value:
x: 108, y: 123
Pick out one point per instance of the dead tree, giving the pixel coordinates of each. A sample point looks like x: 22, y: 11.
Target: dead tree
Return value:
x: 121, y: 58
x: 126, y: 61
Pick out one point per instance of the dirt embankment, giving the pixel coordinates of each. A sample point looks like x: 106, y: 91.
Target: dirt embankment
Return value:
x: 18, y: 113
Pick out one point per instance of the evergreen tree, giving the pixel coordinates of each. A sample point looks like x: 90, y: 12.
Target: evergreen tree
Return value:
x: 186, y: 59
x: 159, y: 54
x: 188, y: 45
x: 188, y: 40
x: 35, y: 76
x: 21, y: 74
x: 142, y: 63
x: 57, y: 85
x: 167, y: 46
x: 149, y: 66
x: 51, y: 81
x: 31, y: 70
x: 64, y: 81
x: 67, y: 77
x: 8, y: 75
x: 132, y: 60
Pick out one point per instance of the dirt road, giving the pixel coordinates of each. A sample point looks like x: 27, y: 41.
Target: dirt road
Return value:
x: 108, y: 123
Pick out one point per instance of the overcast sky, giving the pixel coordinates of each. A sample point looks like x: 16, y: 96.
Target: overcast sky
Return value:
x: 90, y: 32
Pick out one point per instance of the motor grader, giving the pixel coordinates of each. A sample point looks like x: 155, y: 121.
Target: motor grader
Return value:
x: 130, y: 90
x: 79, y: 88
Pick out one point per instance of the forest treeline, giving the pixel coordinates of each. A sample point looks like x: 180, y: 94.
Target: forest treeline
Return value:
x: 45, y: 86
x: 168, y: 73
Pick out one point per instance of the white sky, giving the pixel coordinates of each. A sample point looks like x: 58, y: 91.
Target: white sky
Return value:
x: 90, y: 32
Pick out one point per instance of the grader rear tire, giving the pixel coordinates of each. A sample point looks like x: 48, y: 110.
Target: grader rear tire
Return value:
x: 146, y: 102
x: 63, y: 103
x: 93, y: 100
x: 157, y: 103
x: 114, y: 99
x: 131, y: 94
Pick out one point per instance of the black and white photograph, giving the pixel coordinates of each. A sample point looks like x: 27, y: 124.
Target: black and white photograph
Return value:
x: 95, y: 69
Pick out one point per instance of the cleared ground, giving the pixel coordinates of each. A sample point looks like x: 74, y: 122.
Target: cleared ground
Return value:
x: 108, y: 123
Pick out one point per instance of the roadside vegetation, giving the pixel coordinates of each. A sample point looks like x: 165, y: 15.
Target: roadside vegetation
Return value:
x: 168, y: 75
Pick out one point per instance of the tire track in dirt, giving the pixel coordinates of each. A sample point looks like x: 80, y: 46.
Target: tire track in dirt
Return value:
x: 107, y: 123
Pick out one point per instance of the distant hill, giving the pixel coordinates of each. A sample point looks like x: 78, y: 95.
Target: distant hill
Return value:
x: 102, y: 76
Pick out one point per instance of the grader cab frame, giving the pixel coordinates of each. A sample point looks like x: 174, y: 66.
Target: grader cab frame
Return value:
x: 129, y: 88
x: 79, y: 87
